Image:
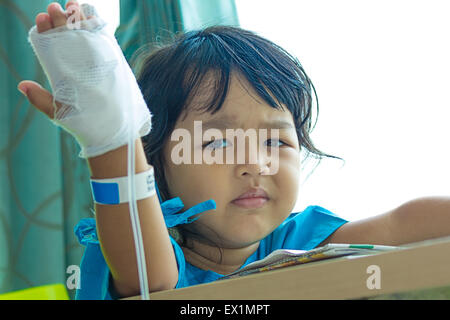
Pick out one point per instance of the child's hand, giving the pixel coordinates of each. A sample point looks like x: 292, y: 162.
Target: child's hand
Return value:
x: 95, y: 96
x: 40, y: 98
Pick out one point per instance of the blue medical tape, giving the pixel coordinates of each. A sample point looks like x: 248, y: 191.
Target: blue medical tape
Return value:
x: 105, y: 193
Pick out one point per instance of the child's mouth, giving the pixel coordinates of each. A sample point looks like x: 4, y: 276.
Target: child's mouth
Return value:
x: 250, y: 203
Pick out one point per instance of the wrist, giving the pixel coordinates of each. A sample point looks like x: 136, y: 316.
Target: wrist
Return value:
x: 116, y: 190
x: 114, y: 163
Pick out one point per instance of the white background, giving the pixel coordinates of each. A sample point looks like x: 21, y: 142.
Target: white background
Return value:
x: 381, y: 70
x: 109, y: 10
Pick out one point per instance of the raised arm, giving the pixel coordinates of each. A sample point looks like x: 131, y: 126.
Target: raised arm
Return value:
x: 87, y: 123
x: 115, y: 232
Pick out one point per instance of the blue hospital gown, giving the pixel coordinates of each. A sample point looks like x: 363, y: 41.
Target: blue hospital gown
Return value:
x: 301, y: 230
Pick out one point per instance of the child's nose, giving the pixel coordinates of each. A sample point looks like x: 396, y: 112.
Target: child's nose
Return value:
x: 255, y: 164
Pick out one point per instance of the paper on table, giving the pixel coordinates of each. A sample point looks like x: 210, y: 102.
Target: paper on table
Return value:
x: 287, y: 257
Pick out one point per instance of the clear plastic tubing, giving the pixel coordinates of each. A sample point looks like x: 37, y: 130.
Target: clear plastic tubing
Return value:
x: 134, y: 215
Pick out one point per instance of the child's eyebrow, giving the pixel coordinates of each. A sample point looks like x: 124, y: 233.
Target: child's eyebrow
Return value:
x: 226, y: 122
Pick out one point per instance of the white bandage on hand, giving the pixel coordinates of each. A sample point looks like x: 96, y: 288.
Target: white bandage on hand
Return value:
x: 92, y: 80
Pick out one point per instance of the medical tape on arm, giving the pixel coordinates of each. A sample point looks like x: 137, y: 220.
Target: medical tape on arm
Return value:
x: 115, y: 190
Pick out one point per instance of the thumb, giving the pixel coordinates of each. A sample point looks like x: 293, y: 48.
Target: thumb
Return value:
x: 38, y: 97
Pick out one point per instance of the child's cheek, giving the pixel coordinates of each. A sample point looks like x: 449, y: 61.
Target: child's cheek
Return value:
x: 288, y: 176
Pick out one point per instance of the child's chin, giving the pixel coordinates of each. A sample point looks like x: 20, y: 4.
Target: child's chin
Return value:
x: 250, y: 235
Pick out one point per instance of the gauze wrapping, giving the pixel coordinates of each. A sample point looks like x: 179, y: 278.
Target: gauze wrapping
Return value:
x: 92, y: 80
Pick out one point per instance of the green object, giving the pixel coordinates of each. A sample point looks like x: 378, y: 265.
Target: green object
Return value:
x: 144, y: 22
x: 361, y: 246
x: 48, y: 292
x: 198, y: 14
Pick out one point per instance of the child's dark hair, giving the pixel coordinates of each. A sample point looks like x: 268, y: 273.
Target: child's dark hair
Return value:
x: 170, y: 75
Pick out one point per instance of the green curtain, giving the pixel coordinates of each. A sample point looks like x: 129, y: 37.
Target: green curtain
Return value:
x: 197, y: 14
x: 44, y: 185
x: 143, y: 21
x: 146, y: 21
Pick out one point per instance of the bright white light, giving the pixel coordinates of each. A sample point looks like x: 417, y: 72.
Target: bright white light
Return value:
x: 109, y: 10
x: 381, y: 70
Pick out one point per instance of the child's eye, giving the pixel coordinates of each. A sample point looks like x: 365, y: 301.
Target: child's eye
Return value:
x: 276, y: 140
x: 220, y: 142
x: 215, y: 144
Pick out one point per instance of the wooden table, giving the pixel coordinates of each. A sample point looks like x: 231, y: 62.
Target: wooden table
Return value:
x: 407, y: 273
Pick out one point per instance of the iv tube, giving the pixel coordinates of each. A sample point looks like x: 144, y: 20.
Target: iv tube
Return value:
x: 134, y: 215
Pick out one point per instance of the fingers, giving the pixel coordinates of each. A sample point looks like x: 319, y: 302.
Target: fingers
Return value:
x: 57, y: 14
x: 43, y: 22
x: 38, y: 97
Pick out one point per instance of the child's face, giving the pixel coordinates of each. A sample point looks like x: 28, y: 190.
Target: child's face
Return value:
x: 232, y: 226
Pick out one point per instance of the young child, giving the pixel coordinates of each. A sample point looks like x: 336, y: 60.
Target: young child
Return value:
x: 220, y: 216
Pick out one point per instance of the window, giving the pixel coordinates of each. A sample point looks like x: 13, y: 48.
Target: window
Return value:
x: 381, y: 70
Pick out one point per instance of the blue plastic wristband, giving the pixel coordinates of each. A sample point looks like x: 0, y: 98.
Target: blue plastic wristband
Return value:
x: 115, y: 190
